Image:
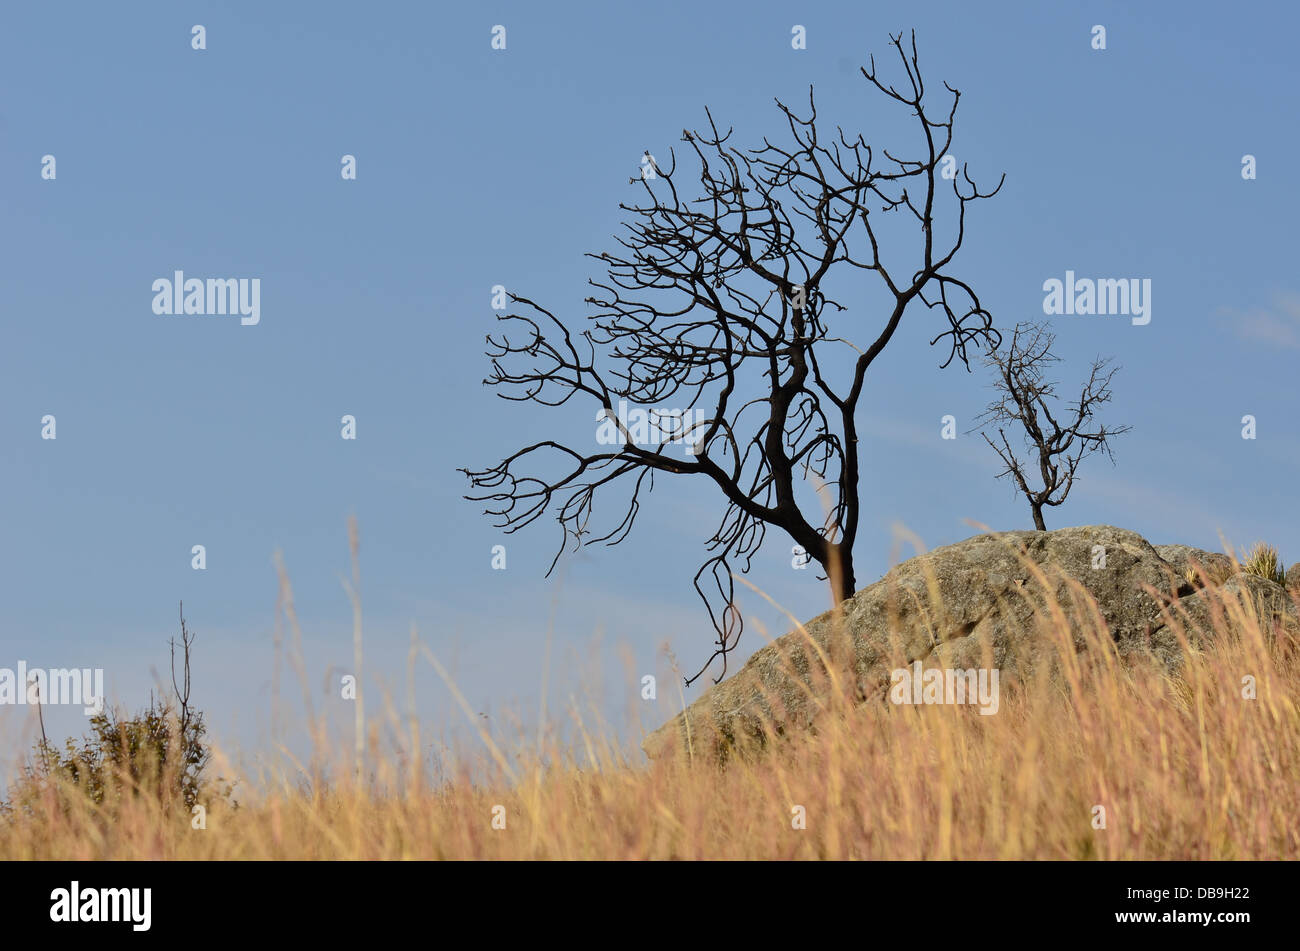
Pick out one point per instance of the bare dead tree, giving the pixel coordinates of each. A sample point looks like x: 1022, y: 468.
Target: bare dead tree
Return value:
x: 1054, y: 449
x: 193, y: 753
x: 723, y: 303
x: 182, y: 690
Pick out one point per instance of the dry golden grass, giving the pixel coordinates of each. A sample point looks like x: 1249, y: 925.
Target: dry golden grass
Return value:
x: 1186, y: 767
x: 1263, y: 560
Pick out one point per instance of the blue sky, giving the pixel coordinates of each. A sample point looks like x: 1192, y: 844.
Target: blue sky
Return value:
x: 478, y: 167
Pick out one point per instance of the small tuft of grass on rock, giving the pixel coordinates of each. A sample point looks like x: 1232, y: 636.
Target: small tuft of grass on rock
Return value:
x: 1263, y: 561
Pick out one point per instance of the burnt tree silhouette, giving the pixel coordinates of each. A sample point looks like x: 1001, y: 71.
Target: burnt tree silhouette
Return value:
x: 1024, y: 397
x: 720, y: 301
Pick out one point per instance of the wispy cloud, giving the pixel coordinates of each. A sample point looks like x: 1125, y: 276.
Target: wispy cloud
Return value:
x: 1278, y: 325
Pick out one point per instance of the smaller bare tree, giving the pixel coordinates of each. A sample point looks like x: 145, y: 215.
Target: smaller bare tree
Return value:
x: 183, y: 693
x: 1054, y: 449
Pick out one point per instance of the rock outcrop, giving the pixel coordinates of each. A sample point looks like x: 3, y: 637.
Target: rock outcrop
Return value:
x: 987, y: 601
x: 1185, y: 560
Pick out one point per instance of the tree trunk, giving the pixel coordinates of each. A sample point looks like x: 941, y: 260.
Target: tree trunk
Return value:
x: 840, y: 563
x: 1038, y: 517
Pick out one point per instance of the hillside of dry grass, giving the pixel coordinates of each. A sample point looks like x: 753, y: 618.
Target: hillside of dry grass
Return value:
x: 1103, y: 761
